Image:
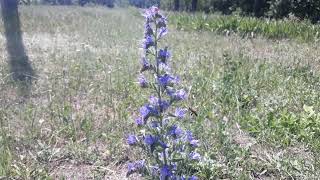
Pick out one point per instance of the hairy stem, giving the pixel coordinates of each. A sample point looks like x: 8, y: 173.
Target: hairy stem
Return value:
x: 159, y: 86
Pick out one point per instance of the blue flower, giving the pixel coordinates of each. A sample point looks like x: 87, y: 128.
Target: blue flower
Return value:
x: 163, y: 67
x: 142, y: 81
x: 194, y: 156
x: 180, y: 95
x: 165, y: 172
x: 193, y: 178
x: 131, y: 167
x: 175, y: 131
x: 148, y: 42
x: 132, y: 140
x: 150, y: 140
x: 145, y: 65
x: 164, y: 105
x: 163, y: 55
x: 166, y: 79
x: 139, y: 121
x: 170, y: 91
x: 194, y: 143
x: 190, y: 139
x: 148, y: 30
x: 154, y: 124
x: 180, y: 113
x: 144, y: 111
x: 135, y: 166
x: 162, y: 32
x: 151, y: 13
x: 153, y: 100
x: 139, y: 164
x: 147, y: 110
x: 189, y: 136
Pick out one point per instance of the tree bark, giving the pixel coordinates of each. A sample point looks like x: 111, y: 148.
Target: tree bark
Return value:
x: 18, y: 60
x: 176, y: 5
x: 194, y: 5
x: 258, y: 8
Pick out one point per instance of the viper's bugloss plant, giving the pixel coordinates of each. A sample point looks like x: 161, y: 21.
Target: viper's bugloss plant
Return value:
x: 168, y: 148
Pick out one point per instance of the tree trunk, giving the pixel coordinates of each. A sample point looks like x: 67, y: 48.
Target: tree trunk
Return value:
x: 18, y: 60
x: 176, y: 5
x: 82, y: 2
x: 194, y: 5
x: 258, y: 7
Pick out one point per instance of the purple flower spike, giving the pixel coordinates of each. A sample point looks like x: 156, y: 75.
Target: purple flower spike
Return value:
x: 161, y: 138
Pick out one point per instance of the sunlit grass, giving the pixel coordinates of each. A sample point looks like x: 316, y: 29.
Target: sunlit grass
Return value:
x: 252, y: 96
x: 249, y: 26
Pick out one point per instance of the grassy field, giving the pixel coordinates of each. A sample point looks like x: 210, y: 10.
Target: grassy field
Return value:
x: 291, y: 28
x: 257, y: 100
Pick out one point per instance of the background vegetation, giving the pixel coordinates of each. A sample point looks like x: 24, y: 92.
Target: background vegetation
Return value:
x: 275, y: 19
x: 248, y: 26
x: 309, y: 9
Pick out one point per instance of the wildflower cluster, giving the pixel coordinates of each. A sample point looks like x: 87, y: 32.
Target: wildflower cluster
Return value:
x: 169, y: 148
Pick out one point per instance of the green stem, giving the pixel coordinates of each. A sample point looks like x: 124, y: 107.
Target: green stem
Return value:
x: 159, y: 86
